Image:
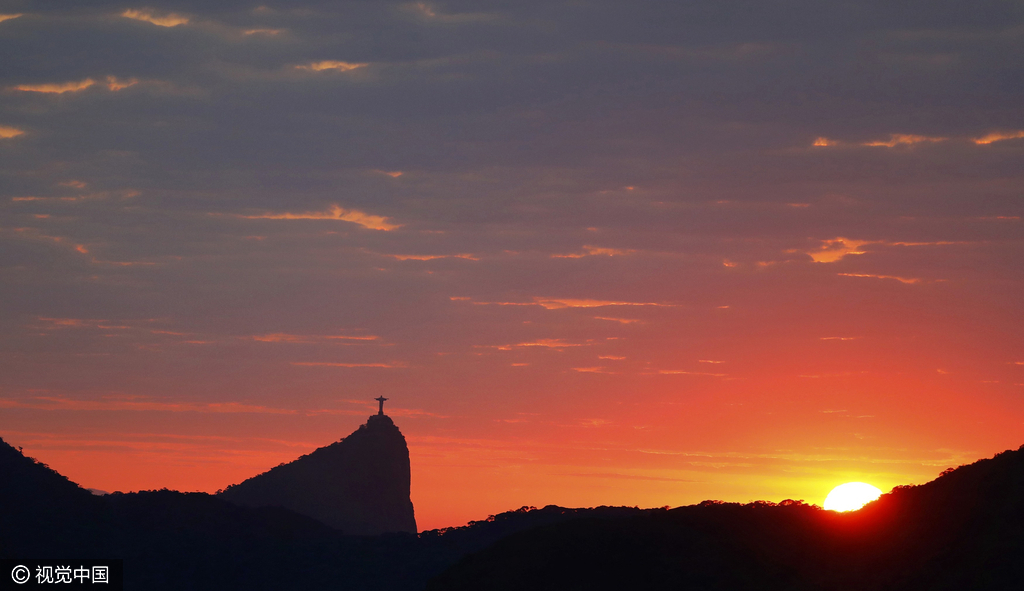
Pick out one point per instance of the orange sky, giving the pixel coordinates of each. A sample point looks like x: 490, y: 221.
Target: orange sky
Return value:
x: 591, y: 255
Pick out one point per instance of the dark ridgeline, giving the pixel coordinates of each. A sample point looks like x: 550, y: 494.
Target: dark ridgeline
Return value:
x: 359, y: 485
x: 965, y: 530
x: 962, y: 531
x: 36, y: 501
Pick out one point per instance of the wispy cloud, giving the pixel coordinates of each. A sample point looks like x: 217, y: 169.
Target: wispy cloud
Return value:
x: 429, y: 257
x: 559, y: 303
x: 873, y: 276
x: 114, y: 84
x: 57, y: 88
x: 332, y: 364
x: 7, y: 17
x: 9, y: 132
x: 116, y: 403
x: 35, y: 234
x: 935, y: 243
x: 58, y: 323
x: 619, y: 320
x: 900, y: 139
x: 562, y: 303
x: 331, y: 65
x: 690, y: 373
x: 589, y: 250
x: 836, y: 249
x: 280, y: 337
x: 998, y: 136
x: 548, y: 343
x: 335, y: 212
x: 166, y: 20
x: 269, y: 32
x: 543, y: 343
x: 824, y: 142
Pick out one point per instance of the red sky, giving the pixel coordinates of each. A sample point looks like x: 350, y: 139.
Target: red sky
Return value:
x: 591, y: 256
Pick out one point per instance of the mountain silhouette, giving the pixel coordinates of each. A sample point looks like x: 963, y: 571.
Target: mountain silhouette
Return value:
x: 964, y: 530
x: 359, y: 485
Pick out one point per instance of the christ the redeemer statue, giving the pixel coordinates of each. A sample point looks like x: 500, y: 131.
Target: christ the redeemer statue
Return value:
x: 381, y: 401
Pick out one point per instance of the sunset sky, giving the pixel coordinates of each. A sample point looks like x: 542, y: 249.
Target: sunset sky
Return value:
x: 593, y: 252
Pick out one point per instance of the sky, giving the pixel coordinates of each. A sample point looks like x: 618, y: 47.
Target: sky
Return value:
x: 593, y: 252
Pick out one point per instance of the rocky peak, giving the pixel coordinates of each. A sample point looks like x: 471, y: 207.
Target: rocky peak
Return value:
x: 359, y: 485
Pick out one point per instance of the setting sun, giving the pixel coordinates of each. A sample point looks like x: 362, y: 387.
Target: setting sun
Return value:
x: 851, y: 496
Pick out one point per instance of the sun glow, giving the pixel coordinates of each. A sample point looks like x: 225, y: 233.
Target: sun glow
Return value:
x: 851, y: 496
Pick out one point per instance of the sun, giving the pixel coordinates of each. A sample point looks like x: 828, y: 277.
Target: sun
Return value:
x: 851, y: 496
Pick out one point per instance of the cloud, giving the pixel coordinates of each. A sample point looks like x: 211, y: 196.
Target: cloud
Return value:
x: 548, y: 343
x: 167, y: 20
x: 690, y: 373
x: 909, y: 280
x: 280, y: 337
x: 10, y: 132
x: 595, y: 251
x: 372, y: 222
x: 331, y: 364
x: 57, y: 88
x: 58, y: 323
x: 7, y: 17
x: 117, y: 403
x: 822, y: 142
x: 559, y: 303
x: 836, y: 249
x: 331, y: 65
x: 998, y: 136
x: 542, y: 343
x: 35, y: 234
x: 269, y: 32
x: 619, y: 320
x: 935, y: 243
x: 112, y: 83
x: 428, y: 257
x: 115, y: 85
x: 899, y: 139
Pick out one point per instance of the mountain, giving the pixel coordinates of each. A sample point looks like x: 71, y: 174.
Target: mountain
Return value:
x: 359, y: 485
x: 964, y: 530
x: 35, y: 500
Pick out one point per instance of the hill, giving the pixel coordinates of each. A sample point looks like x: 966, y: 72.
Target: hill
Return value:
x: 359, y: 485
x: 964, y: 530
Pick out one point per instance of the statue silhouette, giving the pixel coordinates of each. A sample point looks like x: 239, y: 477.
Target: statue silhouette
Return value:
x: 381, y: 401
